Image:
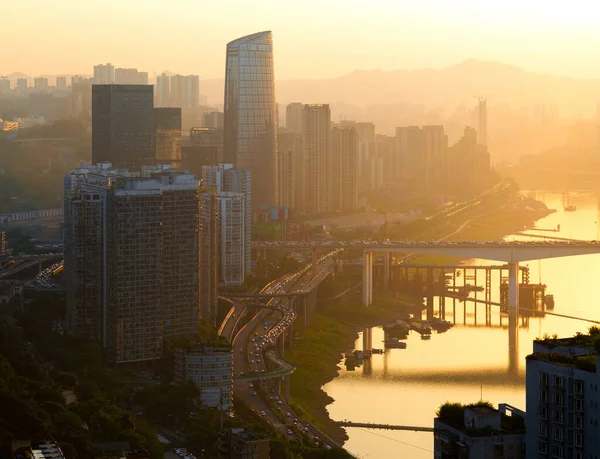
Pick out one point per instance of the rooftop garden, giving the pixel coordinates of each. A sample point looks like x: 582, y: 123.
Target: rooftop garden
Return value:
x: 452, y: 414
x: 590, y: 341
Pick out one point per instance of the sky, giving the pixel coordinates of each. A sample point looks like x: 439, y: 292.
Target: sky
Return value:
x: 312, y: 38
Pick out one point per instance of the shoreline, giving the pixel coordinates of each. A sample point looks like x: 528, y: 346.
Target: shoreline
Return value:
x: 318, y: 354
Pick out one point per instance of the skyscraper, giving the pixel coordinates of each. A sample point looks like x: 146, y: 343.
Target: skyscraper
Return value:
x: 22, y: 84
x: 163, y: 92
x: 4, y: 85
x: 250, y: 140
x: 316, y: 151
x: 344, y: 164
x: 290, y: 169
x: 131, y: 259
x: 209, y: 255
x: 232, y: 185
x: 185, y: 91
x: 205, y: 149
x: 212, y: 120
x: 40, y: 83
x: 61, y: 82
x: 104, y: 74
x: 294, y: 116
x: 167, y: 127
x: 123, y: 126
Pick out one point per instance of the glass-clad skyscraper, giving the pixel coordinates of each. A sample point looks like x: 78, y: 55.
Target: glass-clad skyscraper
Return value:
x: 250, y: 140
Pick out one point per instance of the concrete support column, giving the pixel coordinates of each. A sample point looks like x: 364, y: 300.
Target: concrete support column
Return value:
x: 513, y: 285
x: 39, y: 266
x: 386, y: 269
x: 370, y: 267
x: 315, y: 259
x: 365, y: 278
x: 291, y: 337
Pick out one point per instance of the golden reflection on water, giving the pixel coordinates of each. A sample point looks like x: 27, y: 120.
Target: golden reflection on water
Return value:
x: 406, y: 386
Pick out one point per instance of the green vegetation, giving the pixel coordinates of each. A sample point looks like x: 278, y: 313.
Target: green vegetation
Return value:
x: 453, y: 415
x: 32, y: 177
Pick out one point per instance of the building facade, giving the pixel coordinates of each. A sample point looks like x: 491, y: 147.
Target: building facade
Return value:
x: 250, y: 136
x: 344, y: 164
x: 123, y: 126
x: 167, y: 129
x: 562, y: 399
x: 211, y: 369
x: 294, y: 118
x: 209, y: 256
x: 204, y: 148
x: 213, y: 120
x: 130, y: 76
x: 290, y: 170
x: 240, y: 443
x: 131, y: 258
x: 104, y: 74
x: 316, y: 144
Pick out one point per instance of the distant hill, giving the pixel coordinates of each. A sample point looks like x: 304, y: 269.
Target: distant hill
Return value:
x: 447, y: 87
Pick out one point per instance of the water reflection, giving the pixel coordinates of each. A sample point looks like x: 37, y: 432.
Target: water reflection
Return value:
x: 484, y: 351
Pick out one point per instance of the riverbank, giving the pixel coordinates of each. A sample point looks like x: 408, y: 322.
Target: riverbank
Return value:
x: 334, y: 329
x: 318, y: 351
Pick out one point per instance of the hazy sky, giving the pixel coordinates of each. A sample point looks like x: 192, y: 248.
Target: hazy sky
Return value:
x: 313, y: 38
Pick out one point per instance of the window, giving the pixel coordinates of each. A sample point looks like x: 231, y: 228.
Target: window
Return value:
x: 543, y: 379
x: 578, y: 422
x: 578, y: 387
x: 543, y: 396
x: 578, y: 440
x: 559, y: 382
x: 577, y: 455
x: 558, y: 417
x: 557, y: 452
x: 543, y: 413
x: 558, y: 434
x: 578, y: 405
x: 559, y: 399
x: 543, y: 446
x: 543, y: 430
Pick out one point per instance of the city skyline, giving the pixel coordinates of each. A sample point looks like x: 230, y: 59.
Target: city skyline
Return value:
x: 562, y: 44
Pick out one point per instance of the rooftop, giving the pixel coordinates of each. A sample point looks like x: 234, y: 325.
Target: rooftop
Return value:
x: 579, y: 351
x: 492, y: 422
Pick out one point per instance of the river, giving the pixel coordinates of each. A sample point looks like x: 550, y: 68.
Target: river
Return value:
x: 468, y: 362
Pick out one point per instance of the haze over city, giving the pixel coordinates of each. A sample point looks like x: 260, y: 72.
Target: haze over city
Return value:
x: 299, y: 230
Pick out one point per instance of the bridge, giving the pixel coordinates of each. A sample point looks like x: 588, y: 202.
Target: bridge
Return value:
x: 369, y: 425
x: 511, y: 253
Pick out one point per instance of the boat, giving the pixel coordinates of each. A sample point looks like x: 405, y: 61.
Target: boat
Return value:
x: 570, y: 208
x: 439, y: 325
x: 549, y: 301
x: 397, y: 328
x: 421, y: 327
x: 393, y: 343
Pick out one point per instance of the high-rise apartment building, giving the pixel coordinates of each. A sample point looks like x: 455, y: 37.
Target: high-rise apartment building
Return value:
x: 130, y: 76
x: 167, y: 128
x: 80, y: 103
x: 163, y: 91
x: 131, y: 258
x: 61, y: 81
x: 234, y: 189
x: 250, y: 138
x: 290, y: 169
x: 294, y: 118
x: 209, y: 256
x: 123, y: 126
x: 185, y: 91
x: 562, y: 382
x: 22, y: 84
x: 468, y: 165
x: 482, y: 121
x: 40, y: 83
x: 344, y: 166
x: 316, y: 140
x: 4, y: 86
x: 213, y: 120
x: 104, y: 74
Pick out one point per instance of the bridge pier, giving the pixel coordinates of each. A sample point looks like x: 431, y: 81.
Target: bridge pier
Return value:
x: 39, y: 266
x: 513, y: 285
x: 288, y: 383
x: 386, y: 269
x: 367, y: 292
x: 315, y: 260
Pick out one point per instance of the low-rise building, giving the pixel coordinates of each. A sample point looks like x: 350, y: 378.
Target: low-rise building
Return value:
x: 211, y: 368
x: 563, y: 376
x: 11, y: 292
x: 479, y: 431
x: 242, y: 444
x: 36, y: 450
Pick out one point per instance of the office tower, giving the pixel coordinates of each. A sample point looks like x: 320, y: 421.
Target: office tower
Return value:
x: 209, y: 256
x: 344, y: 166
x: 4, y: 85
x: 104, y: 74
x: 211, y: 369
x: 290, y: 169
x: 40, y: 83
x: 316, y: 151
x: 562, y: 398
x: 250, y: 140
x: 130, y: 76
x: 131, y: 258
x: 213, y: 120
x: 185, y: 91
x: 482, y: 121
x: 480, y: 432
x: 294, y: 116
x: 435, y: 156
x: 167, y: 128
x: 234, y: 189
x: 468, y: 165
x: 61, y: 82
x: 22, y: 84
x: 123, y: 125
x: 163, y: 92
x: 205, y: 148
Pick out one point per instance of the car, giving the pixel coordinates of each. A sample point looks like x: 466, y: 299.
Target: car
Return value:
x: 263, y: 413
x: 251, y: 361
x: 289, y: 432
x: 250, y: 385
x: 280, y: 402
x: 288, y: 414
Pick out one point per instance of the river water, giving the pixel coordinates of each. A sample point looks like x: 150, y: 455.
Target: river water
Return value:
x: 472, y: 361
